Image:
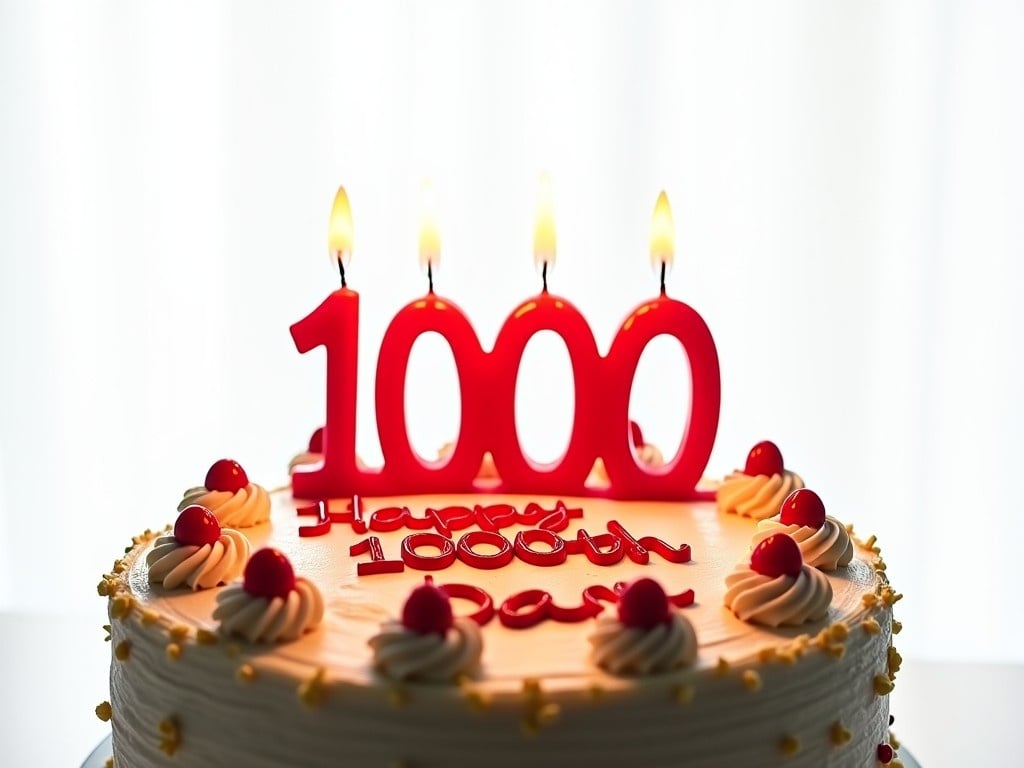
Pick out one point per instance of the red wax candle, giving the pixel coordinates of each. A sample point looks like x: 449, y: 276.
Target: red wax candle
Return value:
x: 661, y: 316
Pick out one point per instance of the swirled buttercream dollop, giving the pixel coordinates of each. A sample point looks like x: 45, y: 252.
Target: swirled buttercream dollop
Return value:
x: 246, y: 507
x: 173, y: 563
x: 778, y: 600
x: 270, y: 620
x: 828, y: 547
x: 402, y: 654
x: 624, y: 650
x: 756, y: 496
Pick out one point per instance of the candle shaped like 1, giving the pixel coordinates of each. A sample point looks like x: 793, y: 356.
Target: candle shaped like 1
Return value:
x: 552, y: 313
x: 335, y: 324
x: 405, y: 469
x: 678, y: 479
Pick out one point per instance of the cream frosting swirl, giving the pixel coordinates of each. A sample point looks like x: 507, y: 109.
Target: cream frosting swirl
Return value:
x: 778, y: 600
x: 402, y: 654
x: 172, y: 563
x: 756, y: 496
x: 243, y: 508
x: 306, y: 457
x: 624, y: 650
x: 828, y: 547
x: 273, y: 620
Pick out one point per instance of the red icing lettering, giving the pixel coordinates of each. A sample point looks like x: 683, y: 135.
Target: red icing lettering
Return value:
x: 485, y: 605
x: 486, y: 561
x: 377, y: 563
x: 554, y: 555
x: 444, y: 557
x: 389, y: 519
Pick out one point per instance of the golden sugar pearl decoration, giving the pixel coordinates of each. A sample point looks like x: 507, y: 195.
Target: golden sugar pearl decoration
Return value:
x: 108, y: 586
x: 595, y: 691
x: 889, y: 595
x: 871, y: 626
x: 838, y: 734
x: 103, y: 711
x: 173, y: 651
x: 723, y: 667
x: 311, y: 692
x: 178, y: 632
x: 882, y: 685
x: 751, y: 680
x: 121, y: 606
x: 245, y: 673
x: 149, y: 617
x: 106, y: 628
x: 206, y: 637
x: 123, y: 650
x: 120, y: 566
x: 897, y: 627
x: 838, y: 631
x: 170, y: 735
x: 870, y: 599
x: 893, y: 662
x: 108, y: 763
x: 789, y: 745
x: 768, y: 654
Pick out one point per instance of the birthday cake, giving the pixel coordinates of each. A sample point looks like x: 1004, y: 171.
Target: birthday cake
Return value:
x: 480, y: 610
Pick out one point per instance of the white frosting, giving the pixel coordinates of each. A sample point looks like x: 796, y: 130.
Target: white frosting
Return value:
x: 274, y: 620
x: 405, y: 655
x: 306, y: 457
x: 828, y: 547
x: 778, y: 600
x: 244, y: 508
x: 262, y: 723
x: 626, y: 650
x: 172, y: 563
x: 756, y: 496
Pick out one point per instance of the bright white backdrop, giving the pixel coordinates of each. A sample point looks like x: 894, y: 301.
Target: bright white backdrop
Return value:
x: 846, y: 181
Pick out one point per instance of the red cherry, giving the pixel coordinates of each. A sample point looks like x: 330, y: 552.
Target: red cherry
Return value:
x: 197, y: 526
x: 885, y: 754
x: 803, y: 507
x: 635, y: 435
x: 269, y: 574
x: 226, y: 475
x: 765, y: 458
x: 643, y: 604
x: 777, y: 555
x: 427, y: 609
x: 316, y: 441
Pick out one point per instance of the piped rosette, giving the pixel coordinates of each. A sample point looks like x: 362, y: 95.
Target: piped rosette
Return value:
x: 313, y: 454
x: 759, y: 490
x: 777, y: 588
x: 227, y: 493
x: 647, y: 637
x: 272, y: 604
x: 824, y: 541
x: 200, y: 553
x: 427, y: 644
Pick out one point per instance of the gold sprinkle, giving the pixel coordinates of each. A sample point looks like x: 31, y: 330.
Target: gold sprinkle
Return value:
x: 245, y: 673
x: 882, y: 685
x: 767, y: 654
x: 684, y: 693
x: 108, y: 763
x: 871, y: 626
x: 897, y: 627
x: 870, y: 600
x: 206, y: 637
x: 120, y: 606
x: 103, y: 711
x: 896, y: 763
x: 835, y: 650
x: 751, y: 680
x: 178, y: 632
x: 893, y: 661
x: 170, y: 735
x: 849, y: 528
x: 123, y: 650
x: 787, y: 657
x: 120, y: 566
x: 106, y: 587
x: 311, y: 692
x: 723, y: 667
x: 893, y: 741
x: 548, y: 713
x: 106, y: 628
x: 398, y: 697
x: 531, y: 688
x: 880, y: 565
x: 595, y: 691
x: 870, y: 541
x: 789, y: 745
x: 477, y: 700
x: 838, y: 631
x: 890, y: 596
x: 839, y: 735
x: 149, y: 617
x: 173, y: 651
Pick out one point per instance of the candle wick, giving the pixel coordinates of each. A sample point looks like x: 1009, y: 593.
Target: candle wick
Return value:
x: 662, y: 278
x: 430, y: 277
x: 544, y: 276
x: 341, y: 271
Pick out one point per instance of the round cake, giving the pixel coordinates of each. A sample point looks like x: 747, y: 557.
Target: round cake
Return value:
x: 502, y: 630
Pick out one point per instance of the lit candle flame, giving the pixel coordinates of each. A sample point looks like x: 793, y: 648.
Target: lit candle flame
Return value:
x: 544, y: 234
x: 430, y: 235
x: 339, y: 229
x: 663, y: 234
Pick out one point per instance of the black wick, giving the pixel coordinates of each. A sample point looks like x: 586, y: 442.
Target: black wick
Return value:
x: 430, y: 276
x: 341, y: 271
x: 544, y: 276
x: 663, y: 278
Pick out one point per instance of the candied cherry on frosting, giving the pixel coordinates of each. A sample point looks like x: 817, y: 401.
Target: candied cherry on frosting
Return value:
x: 885, y: 754
x: 803, y: 507
x: 636, y: 436
x: 427, y: 610
x: 643, y: 604
x: 196, y: 526
x: 777, y: 555
x: 765, y: 458
x: 226, y: 475
x: 269, y: 574
x: 316, y: 441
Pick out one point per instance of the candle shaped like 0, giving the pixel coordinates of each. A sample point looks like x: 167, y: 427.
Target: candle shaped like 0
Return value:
x: 551, y: 313
x: 653, y: 318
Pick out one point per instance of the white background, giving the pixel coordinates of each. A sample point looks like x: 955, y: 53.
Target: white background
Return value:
x: 847, y: 188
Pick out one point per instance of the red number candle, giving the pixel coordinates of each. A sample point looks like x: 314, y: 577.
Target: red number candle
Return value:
x: 663, y: 315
